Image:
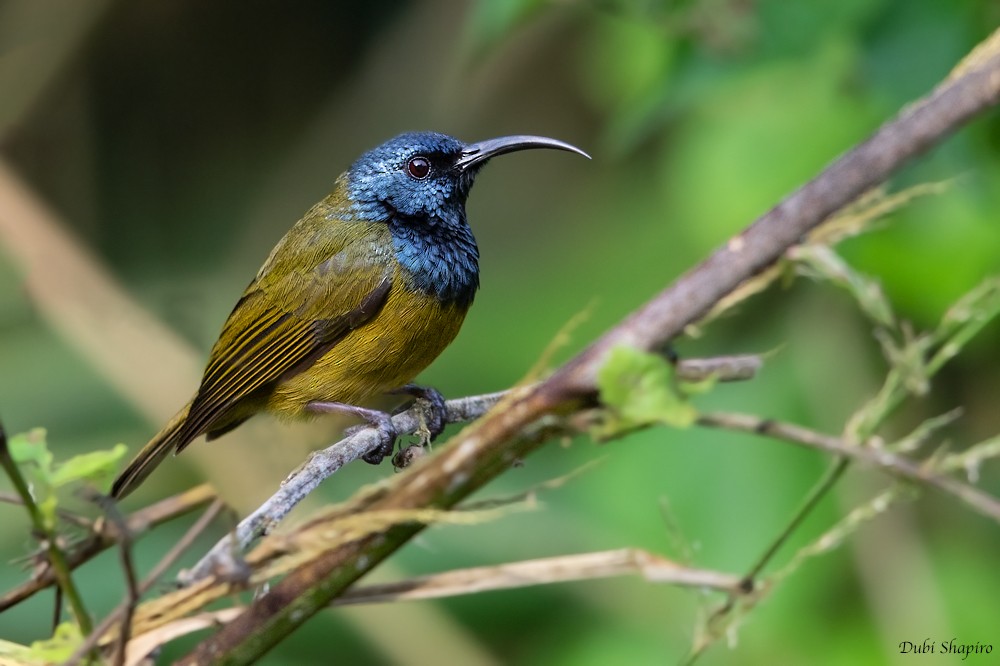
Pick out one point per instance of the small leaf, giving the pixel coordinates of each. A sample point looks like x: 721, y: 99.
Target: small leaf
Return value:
x: 33, y: 458
x: 30, y: 449
x: 97, y: 466
x: 60, y: 647
x: 640, y: 389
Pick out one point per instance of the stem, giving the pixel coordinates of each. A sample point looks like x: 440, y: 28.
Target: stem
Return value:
x: 48, y: 538
x: 818, y: 492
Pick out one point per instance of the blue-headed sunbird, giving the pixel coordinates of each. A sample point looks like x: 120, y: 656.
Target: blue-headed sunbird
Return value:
x: 359, y: 296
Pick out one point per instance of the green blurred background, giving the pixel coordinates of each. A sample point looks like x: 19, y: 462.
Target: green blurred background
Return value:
x: 177, y: 141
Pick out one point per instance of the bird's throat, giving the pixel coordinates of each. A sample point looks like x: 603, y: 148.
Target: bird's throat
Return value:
x: 438, y: 256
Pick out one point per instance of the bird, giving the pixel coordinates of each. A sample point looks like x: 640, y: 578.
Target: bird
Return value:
x: 358, y: 297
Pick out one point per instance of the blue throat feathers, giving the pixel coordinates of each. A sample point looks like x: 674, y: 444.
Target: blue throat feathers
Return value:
x: 441, y: 258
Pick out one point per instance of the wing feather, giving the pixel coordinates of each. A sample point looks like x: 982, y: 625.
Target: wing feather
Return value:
x: 285, y: 320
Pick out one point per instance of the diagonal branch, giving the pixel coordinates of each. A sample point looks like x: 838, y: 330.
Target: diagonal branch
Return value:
x: 517, y: 425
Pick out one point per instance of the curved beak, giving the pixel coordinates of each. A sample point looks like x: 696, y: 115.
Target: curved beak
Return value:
x: 477, y: 153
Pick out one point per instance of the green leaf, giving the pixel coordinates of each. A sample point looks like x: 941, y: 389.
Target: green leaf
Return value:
x: 60, y: 647
x: 640, y: 389
x: 31, y: 454
x: 97, y: 467
x: 29, y: 449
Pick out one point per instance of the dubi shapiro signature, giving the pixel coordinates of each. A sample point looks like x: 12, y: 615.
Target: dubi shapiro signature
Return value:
x: 950, y: 646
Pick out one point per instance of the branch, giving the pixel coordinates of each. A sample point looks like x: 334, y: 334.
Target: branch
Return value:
x: 517, y: 426
x: 917, y: 128
x: 323, y: 464
x: 886, y: 461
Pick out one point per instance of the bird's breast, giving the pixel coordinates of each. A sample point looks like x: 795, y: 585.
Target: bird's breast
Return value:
x: 409, y: 332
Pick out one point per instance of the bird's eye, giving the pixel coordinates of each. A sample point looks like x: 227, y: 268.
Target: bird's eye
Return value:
x: 418, y: 167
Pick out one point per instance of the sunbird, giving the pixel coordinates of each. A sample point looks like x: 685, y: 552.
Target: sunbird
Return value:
x: 357, y: 299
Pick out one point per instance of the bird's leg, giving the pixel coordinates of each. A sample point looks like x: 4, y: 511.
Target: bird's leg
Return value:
x: 434, y: 410
x: 380, y: 421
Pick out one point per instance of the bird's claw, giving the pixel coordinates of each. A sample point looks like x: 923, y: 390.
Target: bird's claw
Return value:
x: 432, y: 407
x: 387, y: 435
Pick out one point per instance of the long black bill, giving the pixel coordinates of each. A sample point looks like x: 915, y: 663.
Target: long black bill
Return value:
x: 479, y: 152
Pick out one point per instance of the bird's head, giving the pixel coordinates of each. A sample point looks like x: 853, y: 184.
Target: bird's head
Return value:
x: 427, y: 174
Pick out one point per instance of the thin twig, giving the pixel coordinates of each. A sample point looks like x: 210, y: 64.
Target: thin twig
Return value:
x: 56, y: 557
x: 132, y: 590
x: 94, y: 637
x: 884, y: 460
x: 103, y: 538
x: 818, y: 492
x: 322, y: 464
x: 586, y: 566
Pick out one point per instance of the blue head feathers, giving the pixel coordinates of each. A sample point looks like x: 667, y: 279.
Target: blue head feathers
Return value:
x: 411, y: 175
x: 417, y: 183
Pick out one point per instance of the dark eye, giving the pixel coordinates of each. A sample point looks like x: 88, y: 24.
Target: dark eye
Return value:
x: 418, y: 167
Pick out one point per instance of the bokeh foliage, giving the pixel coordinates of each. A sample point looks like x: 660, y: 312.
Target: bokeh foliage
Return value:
x: 181, y: 139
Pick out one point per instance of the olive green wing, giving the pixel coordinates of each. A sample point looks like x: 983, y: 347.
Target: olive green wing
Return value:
x: 287, y: 318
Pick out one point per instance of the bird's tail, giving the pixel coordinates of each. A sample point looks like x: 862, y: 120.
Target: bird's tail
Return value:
x: 158, y: 448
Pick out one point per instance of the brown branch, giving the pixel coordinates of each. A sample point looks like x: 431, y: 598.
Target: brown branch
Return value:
x: 917, y: 128
x: 323, y: 464
x: 489, y: 446
x: 105, y: 536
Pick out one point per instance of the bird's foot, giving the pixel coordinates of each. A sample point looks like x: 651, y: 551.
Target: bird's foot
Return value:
x: 432, y: 407
x: 379, y: 421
